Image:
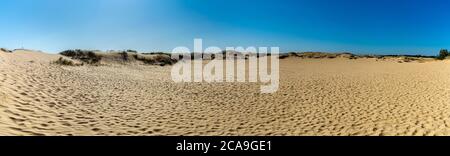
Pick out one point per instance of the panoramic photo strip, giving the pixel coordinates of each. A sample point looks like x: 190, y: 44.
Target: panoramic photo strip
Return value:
x: 211, y: 76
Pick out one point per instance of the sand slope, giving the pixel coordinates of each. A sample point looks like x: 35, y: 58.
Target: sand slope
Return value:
x: 316, y: 97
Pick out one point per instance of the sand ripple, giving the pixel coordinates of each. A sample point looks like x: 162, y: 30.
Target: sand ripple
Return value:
x: 316, y: 97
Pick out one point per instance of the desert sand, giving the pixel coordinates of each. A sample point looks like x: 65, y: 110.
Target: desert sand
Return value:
x: 316, y: 97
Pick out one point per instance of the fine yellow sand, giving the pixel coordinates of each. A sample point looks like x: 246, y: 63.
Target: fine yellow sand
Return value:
x: 316, y: 97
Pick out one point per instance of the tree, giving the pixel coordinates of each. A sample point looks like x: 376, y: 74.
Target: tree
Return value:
x: 443, y: 54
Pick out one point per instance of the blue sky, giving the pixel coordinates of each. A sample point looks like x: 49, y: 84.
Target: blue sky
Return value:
x: 358, y: 26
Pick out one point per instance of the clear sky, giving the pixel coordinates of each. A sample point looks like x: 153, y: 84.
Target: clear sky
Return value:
x: 358, y: 26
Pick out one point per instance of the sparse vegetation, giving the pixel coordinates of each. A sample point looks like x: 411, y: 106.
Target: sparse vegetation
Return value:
x: 131, y: 51
x: 127, y: 56
x: 320, y: 55
x: 161, y: 60
x: 443, y: 54
x: 283, y: 56
x: 156, y: 53
x: 5, y: 50
x: 66, y: 62
x: 323, y: 55
x: 86, y: 56
x: 410, y: 56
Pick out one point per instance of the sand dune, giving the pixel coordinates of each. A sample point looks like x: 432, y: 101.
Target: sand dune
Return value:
x: 316, y: 97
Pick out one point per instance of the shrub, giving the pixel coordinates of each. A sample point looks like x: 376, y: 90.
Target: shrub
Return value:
x: 5, y: 50
x: 352, y: 57
x: 84, y: 55
x: 131, y: 51
x: 161, y: 60
x: 156, y: 53
x: 65, y: 62
x: 442, y: 54
x: 165, y: 60
x: 91, y: 57
x: 283, y: 56
x: 124, y: 56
